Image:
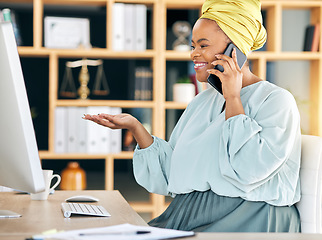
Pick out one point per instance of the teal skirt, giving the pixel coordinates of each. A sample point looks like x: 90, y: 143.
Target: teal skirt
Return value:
x: 209, y: 212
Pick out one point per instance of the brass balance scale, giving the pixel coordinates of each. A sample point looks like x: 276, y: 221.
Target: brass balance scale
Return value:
x: 68, y: 88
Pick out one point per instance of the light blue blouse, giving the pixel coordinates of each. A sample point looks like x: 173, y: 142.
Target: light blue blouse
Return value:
x: 255, y: 156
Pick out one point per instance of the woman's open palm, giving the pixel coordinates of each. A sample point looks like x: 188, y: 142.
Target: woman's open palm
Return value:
x: 120, y: 121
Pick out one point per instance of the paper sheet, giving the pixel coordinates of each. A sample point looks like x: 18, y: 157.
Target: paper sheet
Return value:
x: 117, y: 232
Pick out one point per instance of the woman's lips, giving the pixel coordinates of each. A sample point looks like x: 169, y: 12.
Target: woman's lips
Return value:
x: 199, y: 65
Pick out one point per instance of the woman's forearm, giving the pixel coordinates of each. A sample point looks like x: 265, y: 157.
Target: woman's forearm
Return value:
x: 234, y: 107
x: 141, y: 135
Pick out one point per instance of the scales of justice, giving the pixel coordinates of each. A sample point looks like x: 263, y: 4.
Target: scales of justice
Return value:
x: 68, y: 88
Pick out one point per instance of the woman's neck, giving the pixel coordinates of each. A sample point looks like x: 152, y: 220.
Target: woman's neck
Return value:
x: 248, y: 77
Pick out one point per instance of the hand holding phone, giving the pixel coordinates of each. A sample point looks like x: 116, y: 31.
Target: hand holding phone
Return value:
x: 213, y: 80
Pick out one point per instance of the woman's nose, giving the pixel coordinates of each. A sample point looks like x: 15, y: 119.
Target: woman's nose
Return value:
x: 194, y: 53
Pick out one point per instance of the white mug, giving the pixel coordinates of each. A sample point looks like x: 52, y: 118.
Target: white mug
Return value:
x: 48, y: 177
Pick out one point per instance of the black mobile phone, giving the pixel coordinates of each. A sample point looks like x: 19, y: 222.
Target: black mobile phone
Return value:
x: 241, y: 59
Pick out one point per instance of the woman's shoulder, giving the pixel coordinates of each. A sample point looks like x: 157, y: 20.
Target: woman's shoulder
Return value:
x: 269, y: 97
x: 267, y: 91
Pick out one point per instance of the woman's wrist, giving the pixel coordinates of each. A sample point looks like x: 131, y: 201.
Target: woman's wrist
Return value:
x: 141, y: 135
x: 133, y: 126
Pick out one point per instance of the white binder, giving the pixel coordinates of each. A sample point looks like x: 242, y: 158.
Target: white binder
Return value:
x: 60, y: 130
x: 72, y: 129
x: 140, y: 27
x: 129, y: 27
x: 116, y: 134
x: 82, y: 130
x: 118, y: 26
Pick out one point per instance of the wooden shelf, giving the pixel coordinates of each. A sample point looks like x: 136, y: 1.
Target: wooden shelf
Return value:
x: 175, y: 105
x: 33, y: 52
x: 172, y: 55
x: 52, y: 155
x: 147, y: 2
x: 110, y: 103
x: 149, y: 54
x: 285, y: 55
x: 79, y: 53
x: 76, y: 2
x: 103, y: 53
x: 188, y: 4
x: 19, y: 1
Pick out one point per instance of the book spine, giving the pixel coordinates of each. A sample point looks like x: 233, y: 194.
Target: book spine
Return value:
x: 118, y: 27
x: 309, y: 32
x: 129, y: 27
x: 149, y: 84
x: 72, y: 129
x: 93, y: 130
x: 144, y: 84
x: 140, y: 27
x: 138, y: 83
x: 104, y: 133
x: 116, y: 134
x: 82, y: 131
x: 60, y: 130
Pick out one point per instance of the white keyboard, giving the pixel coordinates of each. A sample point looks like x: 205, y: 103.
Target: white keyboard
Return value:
x: 84, y: 209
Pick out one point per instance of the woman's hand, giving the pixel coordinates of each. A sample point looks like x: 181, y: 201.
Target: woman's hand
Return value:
x: 232, y: 76
x: 120, y: 121
x: 232, y: 80
x: 123, y: 121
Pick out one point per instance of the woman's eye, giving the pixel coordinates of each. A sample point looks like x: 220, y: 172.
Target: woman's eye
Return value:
x: 192, y: 47
x: 203, y: 46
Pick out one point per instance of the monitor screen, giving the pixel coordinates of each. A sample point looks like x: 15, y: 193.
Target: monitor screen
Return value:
x: 20, y: 166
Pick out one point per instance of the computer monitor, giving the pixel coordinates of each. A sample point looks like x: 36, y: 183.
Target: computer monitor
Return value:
x: 20, y: 166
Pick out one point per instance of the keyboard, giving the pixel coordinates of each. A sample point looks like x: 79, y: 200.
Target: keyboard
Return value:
x: 83, y: 209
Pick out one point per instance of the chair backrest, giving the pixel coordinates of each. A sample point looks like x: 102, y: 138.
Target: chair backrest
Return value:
x: 310, y: 205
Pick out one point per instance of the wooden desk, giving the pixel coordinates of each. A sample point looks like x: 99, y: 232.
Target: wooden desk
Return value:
x: 40, y: 216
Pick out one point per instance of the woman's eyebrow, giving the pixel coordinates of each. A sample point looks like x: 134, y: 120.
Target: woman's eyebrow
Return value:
x: 200, y: 40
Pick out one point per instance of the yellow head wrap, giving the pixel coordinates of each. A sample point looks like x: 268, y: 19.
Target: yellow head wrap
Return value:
x: 241, y: 21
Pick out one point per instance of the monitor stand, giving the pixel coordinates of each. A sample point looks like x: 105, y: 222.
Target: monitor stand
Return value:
x: 9, y: 214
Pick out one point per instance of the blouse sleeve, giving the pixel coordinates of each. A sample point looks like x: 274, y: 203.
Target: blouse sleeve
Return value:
x: 255, y: 146
x: 151, y: 166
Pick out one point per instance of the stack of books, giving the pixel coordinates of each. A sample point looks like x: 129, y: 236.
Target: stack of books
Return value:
x: 143, y: 83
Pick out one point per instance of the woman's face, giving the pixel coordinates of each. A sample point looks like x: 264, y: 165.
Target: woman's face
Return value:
x: 207, y: 41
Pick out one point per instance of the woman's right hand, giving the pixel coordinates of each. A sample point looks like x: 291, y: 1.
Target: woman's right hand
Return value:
x: 120, y: 121
x: 123, y: 121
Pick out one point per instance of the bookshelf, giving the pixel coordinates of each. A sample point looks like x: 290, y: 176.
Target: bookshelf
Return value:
x: 158, y: 57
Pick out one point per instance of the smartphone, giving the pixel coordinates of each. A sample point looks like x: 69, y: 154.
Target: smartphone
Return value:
x: 241, y: 59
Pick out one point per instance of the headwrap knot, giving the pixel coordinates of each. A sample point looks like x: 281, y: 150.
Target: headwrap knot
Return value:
x: 241, y: 21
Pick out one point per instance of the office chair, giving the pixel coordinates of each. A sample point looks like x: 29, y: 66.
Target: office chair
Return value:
x: 310, y: 205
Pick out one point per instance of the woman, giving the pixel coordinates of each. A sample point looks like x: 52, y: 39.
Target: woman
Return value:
x: 232, y: 161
